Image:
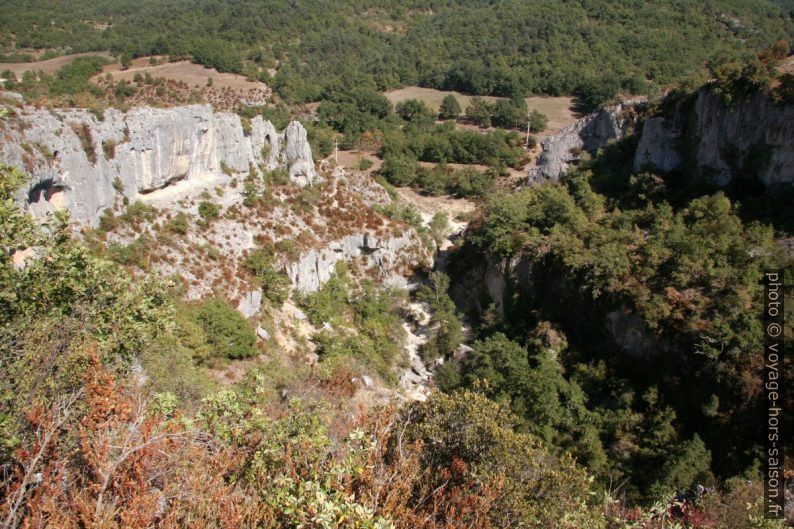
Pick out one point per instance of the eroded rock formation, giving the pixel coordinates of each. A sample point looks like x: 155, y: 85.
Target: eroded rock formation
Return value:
x: 85, y: 161
x: 588, y: 134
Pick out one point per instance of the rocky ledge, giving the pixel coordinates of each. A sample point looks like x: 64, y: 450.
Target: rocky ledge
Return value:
x: 381, y: 255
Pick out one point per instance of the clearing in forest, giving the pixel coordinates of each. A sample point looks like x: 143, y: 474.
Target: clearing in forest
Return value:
x: 558, y: 109
x: 192, y: 74
x: 48, y: 66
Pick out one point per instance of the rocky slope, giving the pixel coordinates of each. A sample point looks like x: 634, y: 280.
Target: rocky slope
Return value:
x: 85, y: 161
x: 752, y: 139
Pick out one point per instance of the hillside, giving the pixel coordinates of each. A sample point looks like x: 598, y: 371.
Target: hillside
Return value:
x: 496, y: 48
x: 429, y: 264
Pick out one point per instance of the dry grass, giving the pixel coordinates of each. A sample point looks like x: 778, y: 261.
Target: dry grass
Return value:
x: 48, y: 66
x: 429, y: 205
x: 558, y: 109
x: 350, y: 159
x: 185, y: 71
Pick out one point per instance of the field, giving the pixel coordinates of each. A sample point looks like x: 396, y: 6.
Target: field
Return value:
x: 350, y: 159
x: 558, y: 109
x: 48, y: 66
x: 192, y: 74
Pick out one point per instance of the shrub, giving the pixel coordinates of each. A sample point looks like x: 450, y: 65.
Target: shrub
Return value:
x: 274, y: 281
x: 132, y: 254
x: 328, y: 303
x: 225, y: 169
x: 277, y: 177
x: 399, y: 169
x: 178, y: 224
x: 736, y: 80
x: 364, y: 164
x: 109, y: 148
x: 83, y: 133
x: 470, y: 182
x: 139, y: 212
x: 538, y: 121
x: 228, y: 333
x: 209, y: 210
x: 108, y: 221
x: 538, y: 490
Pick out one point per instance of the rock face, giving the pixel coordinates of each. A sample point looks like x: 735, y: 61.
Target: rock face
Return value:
x: 754, y: 138
x: 588, y: 134
x: 84, y: 163
x: 297, y: 155
x: 657, y: 148
x: 384, y: 255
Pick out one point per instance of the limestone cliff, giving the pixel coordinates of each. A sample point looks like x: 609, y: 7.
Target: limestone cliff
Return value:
x: 588, y: 134
x: 753, y: 139
x: 84, y: 161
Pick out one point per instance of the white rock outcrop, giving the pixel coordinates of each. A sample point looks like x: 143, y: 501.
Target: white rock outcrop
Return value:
x: 297, y: 155
x: 84, y: 162
x: 381, y: 254
x: 587, y: 134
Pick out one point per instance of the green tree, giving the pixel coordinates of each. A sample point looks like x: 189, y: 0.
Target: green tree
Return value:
x: 415, y: 112
x: 686, y: 466
x: 450, y: 108
x: 447, y: 333
x: 399, y: 169
x: 439, y: 227
x: 538, y: 121
x: 479, y: 111
x: 509, y: 114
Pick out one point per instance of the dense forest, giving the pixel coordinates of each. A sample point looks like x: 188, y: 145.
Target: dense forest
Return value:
x: 681, y: 413
x: 504, y: 47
